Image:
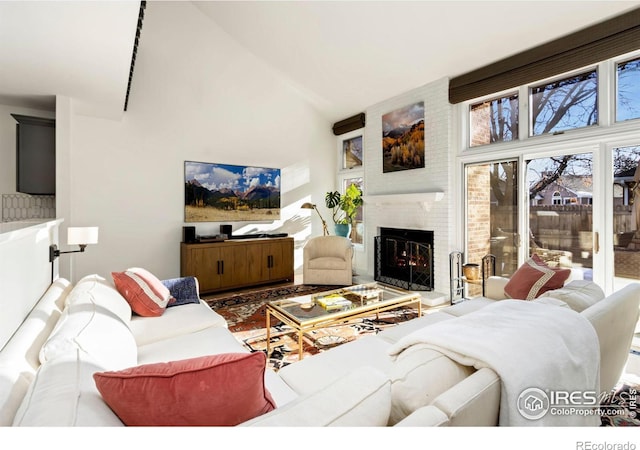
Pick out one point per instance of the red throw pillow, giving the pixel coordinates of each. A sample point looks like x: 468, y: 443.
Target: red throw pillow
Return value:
x: 144, y: 292
x: 216, y: 390
x: 534, y: 278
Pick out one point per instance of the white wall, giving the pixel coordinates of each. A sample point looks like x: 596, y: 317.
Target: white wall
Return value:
x: 8, y: 143
x: 25, y: 270
x: 196, y: 95
x: 435, y: 176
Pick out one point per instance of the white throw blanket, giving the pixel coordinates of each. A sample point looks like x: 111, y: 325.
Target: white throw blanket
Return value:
x: 529, y: 345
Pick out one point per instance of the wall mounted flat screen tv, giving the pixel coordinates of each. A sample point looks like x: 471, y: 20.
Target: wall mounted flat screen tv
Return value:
x: 228, y: 193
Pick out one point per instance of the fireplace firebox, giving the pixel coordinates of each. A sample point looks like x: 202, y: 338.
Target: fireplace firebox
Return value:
x: 404, y: 258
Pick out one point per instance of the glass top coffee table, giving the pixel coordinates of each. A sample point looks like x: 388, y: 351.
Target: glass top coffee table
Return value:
x: 336, y: 306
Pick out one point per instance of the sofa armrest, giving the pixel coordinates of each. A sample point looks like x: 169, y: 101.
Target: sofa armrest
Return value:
x: 475, y: 401
x: 184, y: 290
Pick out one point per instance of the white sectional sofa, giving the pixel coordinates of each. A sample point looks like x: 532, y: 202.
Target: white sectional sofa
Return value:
x: 47, y: 368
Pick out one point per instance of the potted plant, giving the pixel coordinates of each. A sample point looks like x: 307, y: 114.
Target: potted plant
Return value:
x: 344, y: 208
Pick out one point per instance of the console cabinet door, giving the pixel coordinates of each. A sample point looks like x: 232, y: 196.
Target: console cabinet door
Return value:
x: 257, y: 271
x: 279, y: 259
x: 234, y: 266
x: 204, y: 264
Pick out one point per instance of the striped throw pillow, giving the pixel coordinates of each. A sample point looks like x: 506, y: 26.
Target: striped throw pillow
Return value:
x: 144, y: 292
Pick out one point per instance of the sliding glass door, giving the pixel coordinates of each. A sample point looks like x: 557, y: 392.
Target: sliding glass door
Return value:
x: 569, y: 219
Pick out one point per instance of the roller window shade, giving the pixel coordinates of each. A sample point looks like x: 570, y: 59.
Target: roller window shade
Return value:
x: 350, y: 124
x: 591, y: 45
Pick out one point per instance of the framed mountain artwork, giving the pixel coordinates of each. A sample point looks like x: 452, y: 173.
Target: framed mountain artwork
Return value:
x: 403, y: 138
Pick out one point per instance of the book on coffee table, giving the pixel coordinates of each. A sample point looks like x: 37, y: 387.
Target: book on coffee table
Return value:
x: 363, y: 294
x: 333, y: 302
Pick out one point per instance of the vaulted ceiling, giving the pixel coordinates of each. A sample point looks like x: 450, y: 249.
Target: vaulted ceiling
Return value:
x: 343, y: 56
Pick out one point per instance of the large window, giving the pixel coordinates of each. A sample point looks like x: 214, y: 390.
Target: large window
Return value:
x: 579, y: 208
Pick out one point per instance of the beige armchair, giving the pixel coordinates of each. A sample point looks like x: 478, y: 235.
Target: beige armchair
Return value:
x: 327, y: 260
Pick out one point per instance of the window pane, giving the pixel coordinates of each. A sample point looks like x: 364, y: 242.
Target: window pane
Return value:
x: 352, y: 153
x: 564, y: 104
x: 492, y: 215
x: 628, y: 95
x: 560, y: 211
x: 626, y: 215
x: 494, y: 121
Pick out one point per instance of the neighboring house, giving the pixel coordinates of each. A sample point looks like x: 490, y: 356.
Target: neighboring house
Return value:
x: 567, y: 190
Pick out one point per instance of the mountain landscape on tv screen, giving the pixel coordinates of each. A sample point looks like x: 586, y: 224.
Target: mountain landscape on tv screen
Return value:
x: 231, y: 193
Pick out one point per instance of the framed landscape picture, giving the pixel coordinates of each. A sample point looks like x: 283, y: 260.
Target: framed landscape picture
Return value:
x: 352, y: 152
x: 403, y: 138
x: 228, y: 193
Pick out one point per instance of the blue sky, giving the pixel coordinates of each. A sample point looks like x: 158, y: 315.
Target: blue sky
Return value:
x: 238, y: 178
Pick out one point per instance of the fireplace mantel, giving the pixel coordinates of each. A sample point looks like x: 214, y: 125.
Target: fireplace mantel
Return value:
x: 425, y: 199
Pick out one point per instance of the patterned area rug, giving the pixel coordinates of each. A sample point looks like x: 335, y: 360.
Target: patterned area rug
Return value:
x: 245, y: 314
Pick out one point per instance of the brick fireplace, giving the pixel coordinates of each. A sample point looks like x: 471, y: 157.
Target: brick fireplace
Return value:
x: 418, y: 199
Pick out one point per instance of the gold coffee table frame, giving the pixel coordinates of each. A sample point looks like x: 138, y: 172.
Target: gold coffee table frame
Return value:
x: 290, y: 311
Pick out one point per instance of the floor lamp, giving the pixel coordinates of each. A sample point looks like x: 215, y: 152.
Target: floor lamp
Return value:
x: 307, y: 205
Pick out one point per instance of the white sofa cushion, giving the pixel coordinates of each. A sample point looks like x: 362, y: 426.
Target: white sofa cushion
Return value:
x: 209, y: 341
x: 361, y: 398
x: 325, y: 368
x: 280, y: 391
x: 578, y: 294
x: 87, y: 326
x: 95, y: 290
x: 418, y: 376
x: 64, y: 394
x: 176, y: 321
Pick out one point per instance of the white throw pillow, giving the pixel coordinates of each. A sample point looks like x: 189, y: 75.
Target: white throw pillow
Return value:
x: 578, y: 294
